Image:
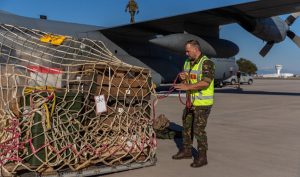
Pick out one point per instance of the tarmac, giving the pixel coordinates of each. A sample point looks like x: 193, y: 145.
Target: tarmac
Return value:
x: 253, y: 132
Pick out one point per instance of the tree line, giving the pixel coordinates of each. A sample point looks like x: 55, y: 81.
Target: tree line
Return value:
x: 246, y: 66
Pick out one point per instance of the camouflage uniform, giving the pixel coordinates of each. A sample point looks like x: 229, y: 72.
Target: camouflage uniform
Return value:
x: 161, y: 126
x: 161, y: 122
x: 133, y: 8
x: 195, y: 119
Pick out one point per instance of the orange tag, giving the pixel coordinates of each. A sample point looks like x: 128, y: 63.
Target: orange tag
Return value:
x: 193, y: 76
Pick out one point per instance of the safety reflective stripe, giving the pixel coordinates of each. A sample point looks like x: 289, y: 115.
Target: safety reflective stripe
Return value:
x: 198, y: 72
x: 188, y: 70
x: 200, y: 65
x: 194, y: 72
x: 200, y: 97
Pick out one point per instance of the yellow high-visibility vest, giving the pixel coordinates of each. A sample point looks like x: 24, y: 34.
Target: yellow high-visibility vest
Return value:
x: 204, y: 97
x: 132, y: 6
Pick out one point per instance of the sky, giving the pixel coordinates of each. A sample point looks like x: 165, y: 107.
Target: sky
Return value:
x: 108, y: 13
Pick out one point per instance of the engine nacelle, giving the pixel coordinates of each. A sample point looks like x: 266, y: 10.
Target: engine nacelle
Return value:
x: 212, y: 47
x: 269, y: 29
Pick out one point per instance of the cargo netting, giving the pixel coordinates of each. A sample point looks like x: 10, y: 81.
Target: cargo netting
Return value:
x: 70, y: 103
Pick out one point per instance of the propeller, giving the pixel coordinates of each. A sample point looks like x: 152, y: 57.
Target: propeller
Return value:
x: 296, y: 39
x: 293, y: 37
x: 289, y: 21
x: 265, y: 50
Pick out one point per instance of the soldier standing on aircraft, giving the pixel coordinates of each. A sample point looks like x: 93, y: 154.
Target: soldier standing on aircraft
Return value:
x: 133, y: 8
x: 198, y: 80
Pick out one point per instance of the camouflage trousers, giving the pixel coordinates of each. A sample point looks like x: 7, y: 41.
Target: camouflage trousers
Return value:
x: 132, y: 14
x: 194, y: 122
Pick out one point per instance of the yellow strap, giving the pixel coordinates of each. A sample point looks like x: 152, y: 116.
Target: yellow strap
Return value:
x: 29, y: 90
x: 57, y: 40
x: 46, y: 38
x: 53, y: 39
x: 48, y: 122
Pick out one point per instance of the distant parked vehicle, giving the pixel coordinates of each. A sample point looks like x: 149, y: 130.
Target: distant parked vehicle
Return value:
x: 245, y: 79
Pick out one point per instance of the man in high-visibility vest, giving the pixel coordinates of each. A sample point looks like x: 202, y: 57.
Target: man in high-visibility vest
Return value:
x: 198, y: 81
x: 133, y: 8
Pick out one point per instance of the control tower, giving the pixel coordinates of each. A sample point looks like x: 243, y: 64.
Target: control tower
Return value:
x: 278, y: 69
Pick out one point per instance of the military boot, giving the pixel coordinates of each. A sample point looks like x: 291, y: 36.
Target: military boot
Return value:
x: 200, y: 159
x: 184, y: 153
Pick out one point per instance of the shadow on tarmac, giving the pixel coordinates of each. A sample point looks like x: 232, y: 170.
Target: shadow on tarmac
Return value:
x: 177, y: 129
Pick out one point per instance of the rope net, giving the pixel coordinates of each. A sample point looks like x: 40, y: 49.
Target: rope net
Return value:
x: 67, y: 103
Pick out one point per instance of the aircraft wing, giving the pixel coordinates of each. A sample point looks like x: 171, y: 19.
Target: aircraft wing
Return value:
x: 207, y: 22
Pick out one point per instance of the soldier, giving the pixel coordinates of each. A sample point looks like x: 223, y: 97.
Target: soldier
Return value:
x: 198, y: 81
x: 238, y: 75
x: 133, y: 8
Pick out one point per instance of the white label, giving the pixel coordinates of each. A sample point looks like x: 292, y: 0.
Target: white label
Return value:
x: 100, y: 104
x: 129, y: 144
x: 127, y: 91
x: 120, y: 110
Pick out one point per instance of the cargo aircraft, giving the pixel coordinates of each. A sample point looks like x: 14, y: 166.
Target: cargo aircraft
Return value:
x: 159, y: 44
